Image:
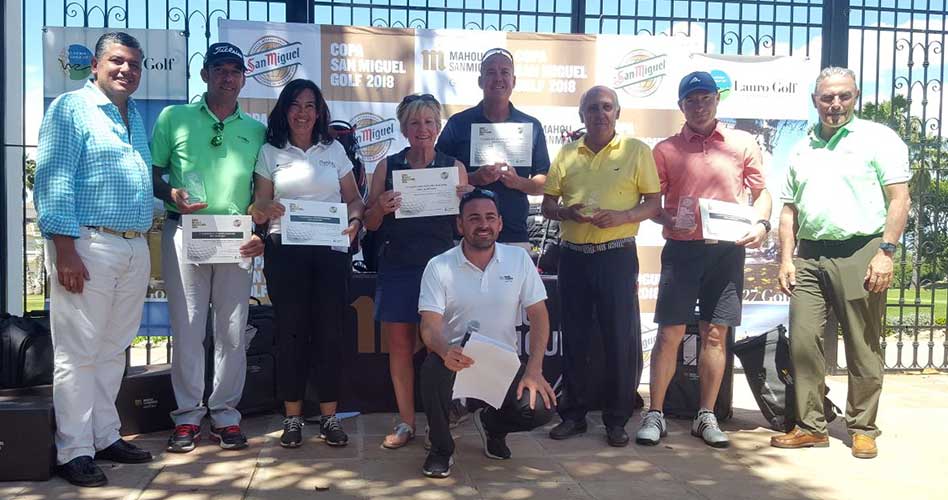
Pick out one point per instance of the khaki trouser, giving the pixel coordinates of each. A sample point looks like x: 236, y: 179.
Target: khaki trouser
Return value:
x: 832, y: 274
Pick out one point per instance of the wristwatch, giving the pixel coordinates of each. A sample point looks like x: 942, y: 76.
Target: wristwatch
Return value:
x: 888, y: 248
x: 765, y: 223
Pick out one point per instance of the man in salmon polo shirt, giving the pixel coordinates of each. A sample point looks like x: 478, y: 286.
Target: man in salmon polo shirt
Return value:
x: 704, y: 160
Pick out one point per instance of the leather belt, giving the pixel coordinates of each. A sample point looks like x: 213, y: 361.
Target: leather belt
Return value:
x: 172, y: 215
x: 590, y: 248
x: 128, y: 235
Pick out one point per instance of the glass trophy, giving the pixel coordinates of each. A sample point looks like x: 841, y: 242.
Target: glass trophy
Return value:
x: 194, y: 185
x: 687, y: 213
x: 590, y: 205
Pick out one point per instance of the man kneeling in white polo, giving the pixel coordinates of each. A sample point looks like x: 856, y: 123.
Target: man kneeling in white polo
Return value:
x: 480, y: 280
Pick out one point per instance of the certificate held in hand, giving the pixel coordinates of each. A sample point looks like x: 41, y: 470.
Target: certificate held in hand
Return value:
x: 426, y: 192
x: 315, y: 223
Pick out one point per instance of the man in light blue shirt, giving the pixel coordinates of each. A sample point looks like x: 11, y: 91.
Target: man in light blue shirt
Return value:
x: 93, y: 199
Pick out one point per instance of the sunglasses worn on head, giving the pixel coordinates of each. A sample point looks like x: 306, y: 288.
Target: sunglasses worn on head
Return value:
x: 480, y: 193
x: 504, y: 52
x: 415, y: 97
x: 218, y: 138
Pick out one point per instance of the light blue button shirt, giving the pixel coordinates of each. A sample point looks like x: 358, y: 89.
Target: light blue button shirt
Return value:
x: 92, y: 170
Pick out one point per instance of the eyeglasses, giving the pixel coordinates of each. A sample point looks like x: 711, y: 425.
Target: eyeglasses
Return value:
x: 218, y: 138
x: 418, y: 97
x: 499, y: 50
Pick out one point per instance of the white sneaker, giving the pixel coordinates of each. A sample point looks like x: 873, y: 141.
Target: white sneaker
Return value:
x: 653, y: 428
x: 706, y: 427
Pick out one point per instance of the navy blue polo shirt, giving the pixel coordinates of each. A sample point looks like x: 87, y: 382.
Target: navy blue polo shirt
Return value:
x: 455, y: 140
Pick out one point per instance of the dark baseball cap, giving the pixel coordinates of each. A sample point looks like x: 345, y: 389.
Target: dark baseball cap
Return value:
x: 699, y: 80
x: 223, y: 52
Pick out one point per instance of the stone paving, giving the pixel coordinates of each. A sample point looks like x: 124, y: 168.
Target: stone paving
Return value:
x: 913, y: 415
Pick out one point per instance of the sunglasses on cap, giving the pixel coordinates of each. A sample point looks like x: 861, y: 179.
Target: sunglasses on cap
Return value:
x: 480, y: 193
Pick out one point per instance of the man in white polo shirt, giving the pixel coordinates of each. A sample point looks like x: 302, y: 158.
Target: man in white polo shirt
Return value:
x: 480, y: 280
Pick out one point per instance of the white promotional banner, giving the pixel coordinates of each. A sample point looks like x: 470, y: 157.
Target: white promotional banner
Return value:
x: 275, y: 54
x: 68, y: 53
x: 773, y: 88
x: 644, y: 70
x: 67, y: 66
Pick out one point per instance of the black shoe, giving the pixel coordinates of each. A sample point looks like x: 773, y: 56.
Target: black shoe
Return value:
x: 330, y: 430
x: 494, y: 446
x: 82, y: 471
x: 124, y: 452
x: 292, y: 432
x: 230, y: 437
x: 437, y: 466
x: 616, y: 436
x: 184, y: 438
x: 567, y: 429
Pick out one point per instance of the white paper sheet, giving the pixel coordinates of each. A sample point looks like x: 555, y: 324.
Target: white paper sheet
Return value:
x: 725, y: 221
x: 495, y: 366
x: 427, y: 192
x: 314, y: 223
x: 510, y: 143
x: 214, y: 239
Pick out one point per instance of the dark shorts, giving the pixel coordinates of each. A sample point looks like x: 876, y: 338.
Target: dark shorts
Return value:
x: 711, y: 276
x: 396, y: 295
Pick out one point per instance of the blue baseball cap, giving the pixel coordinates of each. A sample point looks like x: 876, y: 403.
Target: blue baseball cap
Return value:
x: 699, y: 80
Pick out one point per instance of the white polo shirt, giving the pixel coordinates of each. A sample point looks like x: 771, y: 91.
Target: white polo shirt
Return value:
x: 313, y: 174
x: 458, y: 290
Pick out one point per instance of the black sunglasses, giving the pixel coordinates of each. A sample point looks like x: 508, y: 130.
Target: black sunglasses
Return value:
x: 479, y: 193
x: 218, y: 138
x: 418, y: 97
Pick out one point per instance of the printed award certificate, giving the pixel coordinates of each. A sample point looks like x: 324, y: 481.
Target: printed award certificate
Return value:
x: 721, y: 220
x: 426, y: 192
x: 315, y: 223
x: 510, y: 143
x: 214, y: 239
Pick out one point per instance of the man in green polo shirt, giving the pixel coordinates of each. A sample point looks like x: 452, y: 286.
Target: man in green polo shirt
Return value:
x: 846, y: 200
x: 208, y: 150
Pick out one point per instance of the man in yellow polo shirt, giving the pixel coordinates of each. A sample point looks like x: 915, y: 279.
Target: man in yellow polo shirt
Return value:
x: 600, y: 187
x: 208, y: 149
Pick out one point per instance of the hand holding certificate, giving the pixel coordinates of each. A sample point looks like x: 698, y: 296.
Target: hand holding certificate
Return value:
x: 510, y: 143
x: 721, y: 220
x: 489, y: 378
x: 426, y: 192
x: 214, y: 239
x: 315, y: 223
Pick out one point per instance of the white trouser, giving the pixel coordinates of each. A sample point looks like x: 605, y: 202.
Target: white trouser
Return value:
x: 91, y: 331
x: 190, y: 288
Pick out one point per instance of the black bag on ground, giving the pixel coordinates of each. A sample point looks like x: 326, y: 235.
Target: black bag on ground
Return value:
x: 766, y: 362
x: 683, y: 397
x: 26, y: 350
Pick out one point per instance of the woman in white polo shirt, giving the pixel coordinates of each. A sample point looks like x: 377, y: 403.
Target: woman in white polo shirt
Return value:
x: 308, y: 285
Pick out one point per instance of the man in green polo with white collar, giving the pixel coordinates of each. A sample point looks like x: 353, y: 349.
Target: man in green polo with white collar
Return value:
x: 846, y: 200
x: 208, y: 150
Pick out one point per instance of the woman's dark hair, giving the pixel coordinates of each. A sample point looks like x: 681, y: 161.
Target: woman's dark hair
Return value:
x: 278, y: 126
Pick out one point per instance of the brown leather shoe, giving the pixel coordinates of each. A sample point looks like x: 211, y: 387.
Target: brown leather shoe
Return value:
x: 864, y: 446
x: 798, y: 438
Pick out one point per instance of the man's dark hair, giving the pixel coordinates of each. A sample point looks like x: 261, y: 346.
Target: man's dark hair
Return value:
x: 478, y: 194
x: 120, y: 38
x: 278, y: 126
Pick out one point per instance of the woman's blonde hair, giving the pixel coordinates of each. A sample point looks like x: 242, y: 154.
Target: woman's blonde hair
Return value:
x: 413, y: 104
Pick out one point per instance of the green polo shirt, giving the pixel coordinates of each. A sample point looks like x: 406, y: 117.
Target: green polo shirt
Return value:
x: 181, y: 143
x: 838, y: 185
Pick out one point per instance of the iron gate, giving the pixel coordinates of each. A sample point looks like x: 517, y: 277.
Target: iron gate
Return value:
x: 895, y: 46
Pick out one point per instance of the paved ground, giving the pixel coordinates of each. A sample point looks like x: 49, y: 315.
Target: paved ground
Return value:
x: 911, y: 464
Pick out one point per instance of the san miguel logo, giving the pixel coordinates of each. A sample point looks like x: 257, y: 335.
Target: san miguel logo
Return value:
x: 273, y: 61
x: 640, y: 73
x: 374, y: 135
x: 76, y: 61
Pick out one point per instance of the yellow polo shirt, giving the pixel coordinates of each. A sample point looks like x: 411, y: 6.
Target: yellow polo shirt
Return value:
x: 615, y: 178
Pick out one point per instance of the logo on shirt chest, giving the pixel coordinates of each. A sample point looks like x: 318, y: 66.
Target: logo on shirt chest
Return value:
x: 506, y: 278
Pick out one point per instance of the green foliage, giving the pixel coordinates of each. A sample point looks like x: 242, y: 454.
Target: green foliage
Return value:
x: 926, y: 234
